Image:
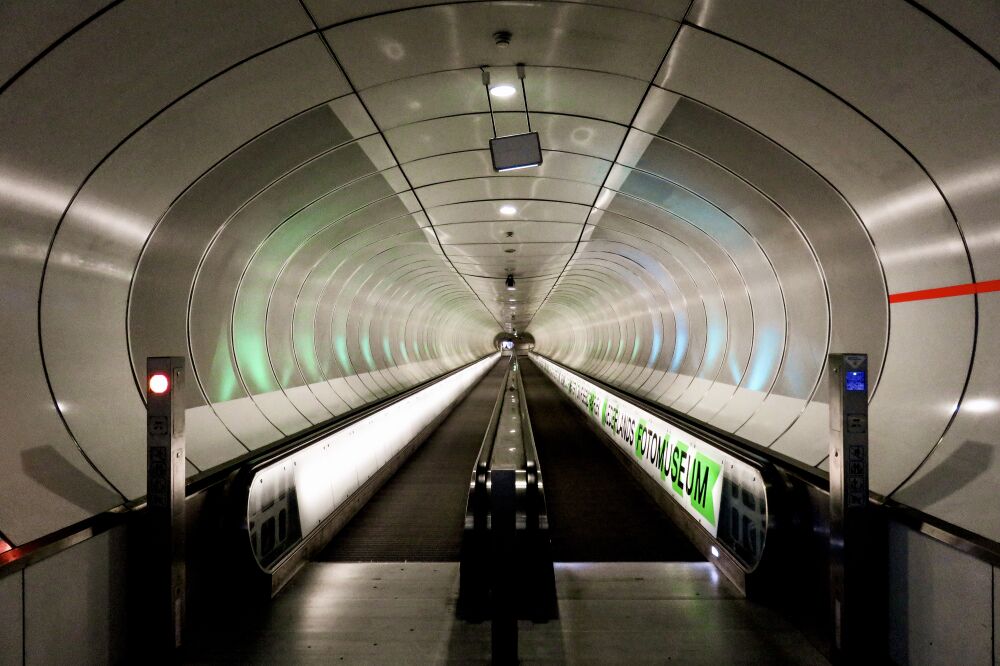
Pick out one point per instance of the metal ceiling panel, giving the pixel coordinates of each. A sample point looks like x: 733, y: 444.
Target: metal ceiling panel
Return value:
x: 569, y: 134
x: 477, y: 163
x: 506, y: 187
x: 549, y: 89
x: 485, y: 211
x: 396, y: 45
x: 523, y: 231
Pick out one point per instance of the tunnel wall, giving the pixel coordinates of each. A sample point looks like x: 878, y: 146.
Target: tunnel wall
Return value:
x: 730, y: 191
x: 793, y: 187
x: 214, y: 193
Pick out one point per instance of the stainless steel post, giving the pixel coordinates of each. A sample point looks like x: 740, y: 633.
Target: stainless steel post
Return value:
x: 165, y: 479
x: 848, y: 377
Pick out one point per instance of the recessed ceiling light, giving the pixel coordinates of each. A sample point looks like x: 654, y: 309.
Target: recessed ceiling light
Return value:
x: 507, y: 210
x: 502, y: 91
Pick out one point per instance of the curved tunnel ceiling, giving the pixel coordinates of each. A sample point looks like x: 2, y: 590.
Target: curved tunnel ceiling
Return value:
x: 298, y: 197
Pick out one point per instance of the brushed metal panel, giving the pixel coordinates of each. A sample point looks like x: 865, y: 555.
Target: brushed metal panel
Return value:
x: 913, y: 231
x: 28, y: 28
x: 12, y: 620
x: 207, y: 441
x: 85, y: 297
x: 940, y: 602
x: 56, y: 127
x: 495, y: 231
x: 740, y: 407
x: 845, y: 253
x: 328, y: 12
x: 536, y: 211
x: 772, y: 418
x: 502, y: 187
x: 319, y: 320
x: 757, y: 272
x: 163, y: 278
x: 920, y: 384
x: 958, y: 481
x: 596, y: 138
x: 268, y: 290
x: 711, y: 265
x: 75, y: 608
x: 557, y: 90
x: 975, y: 19
x: 944, y: 102
x: 783, y: 243
x: 478, y: 164
x: 313, y: 262
x: 395, y: 46
x: 807, y: 438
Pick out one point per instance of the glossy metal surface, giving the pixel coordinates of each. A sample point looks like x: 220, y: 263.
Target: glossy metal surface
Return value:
x: 392, y: 612
x: 720, y: 205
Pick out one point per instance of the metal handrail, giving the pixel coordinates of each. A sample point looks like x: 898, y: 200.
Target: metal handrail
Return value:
x: 975, y: 545
x: 478, y: 500
x: 738, y: 447
x: 36, y: 550
x: 506, y: 539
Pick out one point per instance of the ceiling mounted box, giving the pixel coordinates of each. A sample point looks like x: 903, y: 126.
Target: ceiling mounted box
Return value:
x: 517, y: 151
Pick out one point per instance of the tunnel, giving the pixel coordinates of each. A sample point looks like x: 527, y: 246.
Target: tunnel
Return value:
x: 300, y: 200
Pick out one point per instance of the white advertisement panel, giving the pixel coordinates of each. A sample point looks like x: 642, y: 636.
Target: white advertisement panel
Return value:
x: 293, y: 496
x: 690, y: 470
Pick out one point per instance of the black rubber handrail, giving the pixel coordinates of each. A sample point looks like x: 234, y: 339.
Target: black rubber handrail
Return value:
x: 36, y: 550
x: 486, y: 449
x: 975, y: 545
x: 742, y: 449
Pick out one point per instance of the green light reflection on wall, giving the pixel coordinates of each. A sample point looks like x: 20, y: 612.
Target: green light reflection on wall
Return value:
x: 340, y: 346
x: 366, y: 350
x: 221, y: 384
x: 305, y: 350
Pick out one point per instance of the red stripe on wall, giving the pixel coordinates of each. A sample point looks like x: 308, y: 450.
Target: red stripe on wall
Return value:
x: 946, y: 292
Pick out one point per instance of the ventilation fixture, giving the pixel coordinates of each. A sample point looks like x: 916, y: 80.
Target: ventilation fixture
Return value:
x: 516, y: 151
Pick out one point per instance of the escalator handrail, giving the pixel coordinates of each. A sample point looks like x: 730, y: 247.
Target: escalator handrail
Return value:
x: 31, y: 552
x: 742, y: 449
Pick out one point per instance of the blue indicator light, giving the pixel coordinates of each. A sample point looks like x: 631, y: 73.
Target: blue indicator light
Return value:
x: 855, y: 381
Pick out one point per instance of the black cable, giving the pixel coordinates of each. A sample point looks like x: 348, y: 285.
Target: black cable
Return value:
x: 486, y: 84
x: 524, y: 93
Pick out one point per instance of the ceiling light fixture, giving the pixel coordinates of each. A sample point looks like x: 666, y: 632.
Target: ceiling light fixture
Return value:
x: 508, y: 210
x: 510, y: 282
x: 503, y: 91
x: 517, y: 151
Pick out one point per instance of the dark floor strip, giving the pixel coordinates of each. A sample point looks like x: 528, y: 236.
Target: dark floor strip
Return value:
x: 597, y: 513
x: 420, y: 513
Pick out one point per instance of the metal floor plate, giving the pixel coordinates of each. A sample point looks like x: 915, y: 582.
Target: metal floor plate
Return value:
x: 396, y: 613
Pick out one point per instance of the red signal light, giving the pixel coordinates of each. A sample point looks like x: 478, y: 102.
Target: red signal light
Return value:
x: 159, y: 383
